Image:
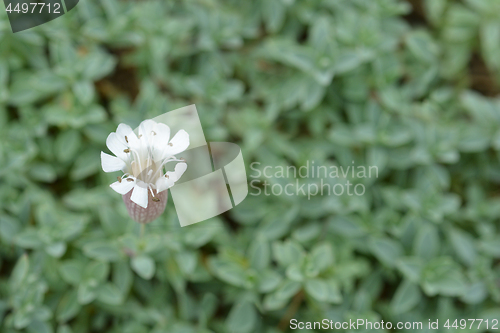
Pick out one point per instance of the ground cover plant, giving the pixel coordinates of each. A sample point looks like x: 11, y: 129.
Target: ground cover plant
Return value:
x: 409, y: 87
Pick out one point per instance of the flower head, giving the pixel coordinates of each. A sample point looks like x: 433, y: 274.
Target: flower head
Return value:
x: 142, y: 159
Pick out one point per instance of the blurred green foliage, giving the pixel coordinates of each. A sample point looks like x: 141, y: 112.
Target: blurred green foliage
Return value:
x: 330, y: 81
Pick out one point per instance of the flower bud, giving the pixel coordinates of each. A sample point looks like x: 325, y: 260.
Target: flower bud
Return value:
x: 156, y: 206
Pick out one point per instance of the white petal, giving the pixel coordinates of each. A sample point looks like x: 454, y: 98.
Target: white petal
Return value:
x: 146, y: 127
x: 178, y: 144
x: 123, y: 187
x: 163, y: 183
x: 140, y: 196
x: 179, y: 170
x: 163, y: 132
x: 116, y: 146
x: 111, y: 163
x: 160, y: 141
x: 133, y: 141
x: 123, y: 131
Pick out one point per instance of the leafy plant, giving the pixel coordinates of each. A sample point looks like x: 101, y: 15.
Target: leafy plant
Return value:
x: 411, y: 91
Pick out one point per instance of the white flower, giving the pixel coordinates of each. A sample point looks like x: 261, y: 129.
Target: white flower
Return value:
x: 143, y: 158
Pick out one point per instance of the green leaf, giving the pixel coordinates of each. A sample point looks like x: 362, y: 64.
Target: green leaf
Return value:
x: 268, y: 281
x: 109, y: 294
x: 426, y: 244
x: 68, y: 306
x: 435, y: 9
x: 406, y: 297
x: 242, y: 318
x: 72, y: 271
x: 287, y: 252
x: 38, y: 326
x: 68, y: 144
x: 411, y: 268
x: 386, y: 250
x: 9, y: 228
x: 321, y: 257
x: 229, y: 272
x: 96, y: 270
x: 491, y: 247
x: 97, y: 65
x: 20, y: 272
x: 102, y: 250
x: 29, y: 239
x: 122, y: 276
x: 279, y: 298
x: 422, y: 46
x: 259, y: 254
x: 144, y: 266
x: 346, y: 226
x: 56, y: 249
x: 86, y: 164
x: 333, y: 296
x: 287, y: 289
x: 84, y: 91
x: 187, y: 261
x: 64, y: 329
x: 475, y: 293
x: 87, y: 292
x: 274, y: 14
x: 317, y: 289
x: 464, y: 246
x: 43, y: 172
x: 306, y: 233
x: 442, y: 276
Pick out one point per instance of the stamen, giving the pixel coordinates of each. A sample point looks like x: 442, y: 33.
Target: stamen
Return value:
x: 126, y: 150
x: 166, y: 176
x: 165, y: 161
x: 170, y: 144
x: 126, y: 138
x: 155, y: 199
x: 137, y: 158
x: 182, y: 159
x: 119, y: 179
x: 153, y: 132
x: 130, y: 180
x: 140, y: 136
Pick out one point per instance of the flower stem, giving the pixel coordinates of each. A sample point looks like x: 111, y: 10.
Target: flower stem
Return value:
x: 142, y: 230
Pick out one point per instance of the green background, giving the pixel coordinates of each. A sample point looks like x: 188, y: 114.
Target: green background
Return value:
x: 407, y: 87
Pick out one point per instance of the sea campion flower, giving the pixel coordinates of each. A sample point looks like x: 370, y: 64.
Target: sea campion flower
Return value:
x: 143, y: 159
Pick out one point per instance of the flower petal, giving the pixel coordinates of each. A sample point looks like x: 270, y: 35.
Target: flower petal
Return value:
x: 122, y: 187
x: 160, y: 141
x: 164, y: 183
x: 146, y: 127
x: 140, y: 195
x: 123, y: 131
x: 116, y: 146
x: 111, y: 163
x: 163, y: 133
x: 179, y: 170
x: 178, y: 144
x: 171, y: 177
